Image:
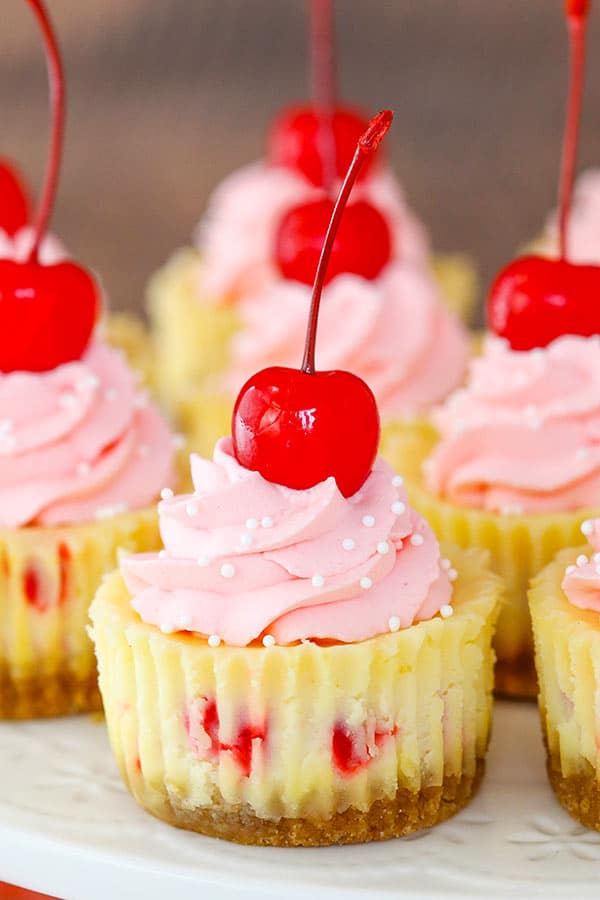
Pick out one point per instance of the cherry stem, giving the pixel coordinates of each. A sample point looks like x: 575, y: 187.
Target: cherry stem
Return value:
x: 323, y: 79
x: 576, y: 11
x: 366, y: 146
x: 56, y: 80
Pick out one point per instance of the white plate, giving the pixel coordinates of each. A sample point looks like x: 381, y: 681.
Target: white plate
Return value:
x: 68, y: 827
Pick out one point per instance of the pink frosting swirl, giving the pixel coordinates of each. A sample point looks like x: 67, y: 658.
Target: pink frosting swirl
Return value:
x: 524, y: 435
x: 18, y: 246
x: 584, y: 222
x: 78, y: 443
x: 397, y: 335
x: 236, y: 236
x: 581, y: 583
x: 244, y: 557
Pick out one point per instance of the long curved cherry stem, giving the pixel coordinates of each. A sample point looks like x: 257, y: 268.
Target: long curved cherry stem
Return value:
x: 366, y: 146
x: 57, y: 105
x: 576, y: 11
x: 323, y: 82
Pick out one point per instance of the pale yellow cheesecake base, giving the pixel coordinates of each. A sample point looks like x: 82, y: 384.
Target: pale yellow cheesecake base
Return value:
x: 567, y: 651
x: 306, y: 744
x: 519, y: 546
x: 48, y: 577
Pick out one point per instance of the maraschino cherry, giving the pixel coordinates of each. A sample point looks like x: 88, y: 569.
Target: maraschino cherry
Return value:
x: 535, y: 300
x: 14, y: 200
x: 318, y: 140
x: 47, y: 313
x: 299, y: 427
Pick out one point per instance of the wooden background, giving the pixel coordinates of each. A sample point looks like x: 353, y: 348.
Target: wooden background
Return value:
x: 167, y: 96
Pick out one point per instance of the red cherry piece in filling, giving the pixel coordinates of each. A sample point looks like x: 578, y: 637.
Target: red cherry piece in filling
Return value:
x: 14, y: 201
x: 362, y: 245
x: 295, y: 142
x: 47, y: 314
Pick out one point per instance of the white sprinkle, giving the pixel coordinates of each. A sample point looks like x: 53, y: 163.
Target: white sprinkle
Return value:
x: 251, y: 524
x: 9, y: 441
x: 317, y: 581
x: 383, y: 547
x: 596, y: 557
x: 366, y: 583
x: 397, y: 480
x: 268, y: 640
x: 348, y: 544
x: 582, y: 560
x: 143, y: 450
x: 83, y: 468
x: 398, y: 508
x: 582, y: 453
x: 368, y: 521
x: 214, y: 640
x: 179, y: 441
x: 168, y: 628
x: 162, y: 554
x: 446, y: 611
x: 191, y: 509
x: 227, y: 570
x: 107, y: 512
x: 110, y: 394
x: 266, y: 522
x: 570, y: 569
x: 511, y: 510
x: 246, y: 539
x: 531, y: 411
x: 597, y: 570
x: 394, y: 623
x: 587, y: 527
x: 445, y: 564
x: 69, y: 401
x: 416, y: 540
x: 141, y: 399
x: 452, y: 574
x: 203, y: 561
x: 167, y: 494
x: 6, y: 425
x: 185, y: 622
x: 91, y: 383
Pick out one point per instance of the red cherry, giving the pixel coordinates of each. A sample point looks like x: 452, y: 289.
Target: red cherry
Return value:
x: 294, y: 141
x: 298, y: 428
x: 362, y: 246
x: 47, y: 314
x: 14, y: 201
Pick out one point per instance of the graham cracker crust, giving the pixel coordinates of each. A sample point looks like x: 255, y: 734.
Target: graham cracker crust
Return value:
x: 578, y: 794
x: 516, y: 677
x: 390, y: 818
x: 46, y: 696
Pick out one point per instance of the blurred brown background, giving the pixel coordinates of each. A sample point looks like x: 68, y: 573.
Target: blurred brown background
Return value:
x: 167, y: 96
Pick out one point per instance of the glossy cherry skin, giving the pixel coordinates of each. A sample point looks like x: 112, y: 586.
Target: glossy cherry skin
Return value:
x: 14, y: 201
x: 362, y: 245
x: 298, y: 429
x: 294, y: 141
x: 47, y: 314
x: 534, y: 300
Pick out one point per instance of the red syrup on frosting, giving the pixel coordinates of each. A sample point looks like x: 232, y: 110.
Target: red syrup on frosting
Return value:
x: 350, y: 749
x: 14, y: 199
x: 534, y: 300
x: 241, y: 748
x: 300, y: 427
x: 47, y: 313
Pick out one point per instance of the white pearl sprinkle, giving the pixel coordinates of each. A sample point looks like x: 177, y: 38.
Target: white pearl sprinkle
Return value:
x: 368, y: 521
x: 582, y: 560
x: 185, y: 622
x: 266, y: 522
x: 383, y: 547
x: 168, y: 628
x: 416, y: 540
x: 91, y: 383
x: 452, y: 574
x: 68, y: 401
x: 582, y: 453
x: 167, y: 494
x: 511, y: 510
x: 587, y: 527
x: 348, y: 544
x: 596, y: 557
x: 214, y: 640
x: 162, y: 554
x: 141, y: 399
x: 251, y: 524
x: 317, y: 581
x: 143, y: 450
x: 110, y: 394
x: 227, y: 570
x: 6, y: 425
x: 191, y: 509
x: 397, y: 480
x: 394, y: 623
x: 107, y: 512
x: 398, y: 508
x: 366, y: 583
x: 179, y: 441
x: 445, y: 564
x: 203, y: 561
x: 246, y: 539
x: 446, y: 611
x: 570, y: 569
x: 268, y: 640
x: 83, y: 468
